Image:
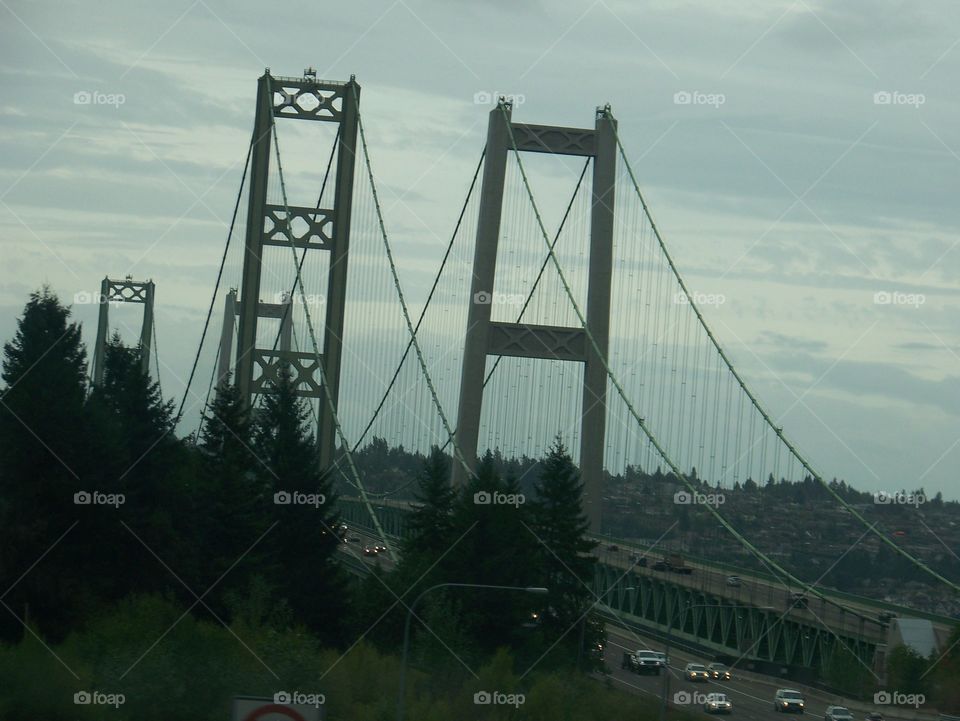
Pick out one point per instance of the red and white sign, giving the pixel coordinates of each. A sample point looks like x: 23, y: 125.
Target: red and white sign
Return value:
x: 249, y: 708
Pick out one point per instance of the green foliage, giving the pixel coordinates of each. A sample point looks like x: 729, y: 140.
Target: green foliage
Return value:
x: 846, y: 673
x: 907, y: 671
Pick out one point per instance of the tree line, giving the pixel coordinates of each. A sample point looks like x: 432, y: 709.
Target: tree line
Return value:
x: 104, y: 508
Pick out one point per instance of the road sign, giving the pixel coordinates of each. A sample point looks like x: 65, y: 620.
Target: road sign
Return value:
x: 251, y: 708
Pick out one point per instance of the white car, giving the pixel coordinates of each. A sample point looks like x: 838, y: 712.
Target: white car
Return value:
x: 718, y: 703
x: 787, y: 699
x: 837, y: 713
x: 696, y: 672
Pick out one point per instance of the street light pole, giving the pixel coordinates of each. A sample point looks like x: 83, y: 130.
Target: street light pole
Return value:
x: 406, y: 626
x: 665, y: 688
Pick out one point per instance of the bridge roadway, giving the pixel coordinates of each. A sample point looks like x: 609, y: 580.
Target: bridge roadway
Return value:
x: 843, y: 613
x: 751, y: 693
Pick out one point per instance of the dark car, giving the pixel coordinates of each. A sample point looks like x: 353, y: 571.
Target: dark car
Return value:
x: 659, y: 566
x: 719, y: 671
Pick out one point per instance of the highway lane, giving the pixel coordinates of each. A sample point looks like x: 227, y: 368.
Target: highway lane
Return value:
x: 751, y: 693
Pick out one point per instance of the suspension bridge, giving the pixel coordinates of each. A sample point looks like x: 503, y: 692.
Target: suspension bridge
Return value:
x: 554, y: 308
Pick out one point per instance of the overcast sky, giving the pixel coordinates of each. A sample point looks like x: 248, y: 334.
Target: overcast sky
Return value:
x: 814, y: 167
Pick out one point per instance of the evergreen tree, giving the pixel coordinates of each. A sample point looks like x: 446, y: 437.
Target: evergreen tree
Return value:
x: 431, y: 523
x: 300, y: 542
x: 566, y: 563
x: 148, y: 465
x: 492, y: 544
x: 229, y: 492
x: 47, y: 454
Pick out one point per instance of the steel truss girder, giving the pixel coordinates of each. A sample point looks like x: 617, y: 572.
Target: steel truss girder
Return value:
x: 537, y: 341
x: 728, y: 627
x: 302, y: 367
x: 308, y: 99
x: 317, y: 227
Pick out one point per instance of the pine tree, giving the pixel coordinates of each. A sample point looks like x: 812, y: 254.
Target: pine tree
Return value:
x: 300, y: 543
x: 566, y: 564
x: 47, y: 454
x: 492, y: 544
x: 229, y: 494
x: 430, y: 525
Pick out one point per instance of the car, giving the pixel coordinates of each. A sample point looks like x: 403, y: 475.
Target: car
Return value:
x: 380, y: 548
x: 613, y: 547
x: 788, y: 700
x: 873, y: 716
x: 734, y: 581
x: 353, y: 539
x: 637, y: 560
x: 797, y: 600
x: 641, y: 661
x: 837, y: 713
x: 370, y: 551
x: 659, y: 566
x: 718, y: 703
x: 719, y: 671
x: 696, y: 672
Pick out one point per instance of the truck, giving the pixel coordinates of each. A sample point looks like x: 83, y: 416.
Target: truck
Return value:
x: 675, y: 563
